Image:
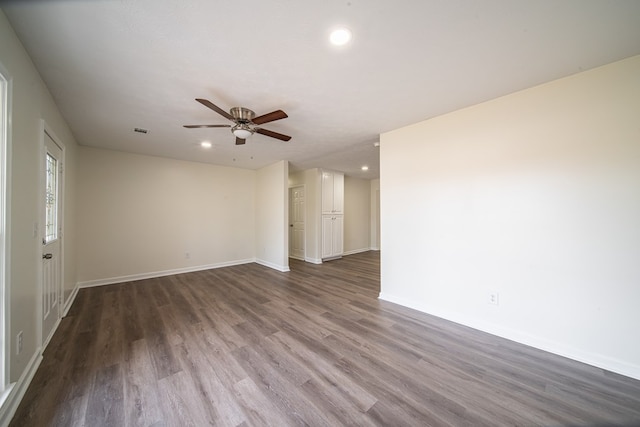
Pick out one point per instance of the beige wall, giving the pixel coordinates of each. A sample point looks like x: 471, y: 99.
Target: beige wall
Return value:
x: 272, y: 216
x: 374, y: 240
x: 30, y: 103
x: 141, y: 215
x: 535, y: 196
x: 357, y: 214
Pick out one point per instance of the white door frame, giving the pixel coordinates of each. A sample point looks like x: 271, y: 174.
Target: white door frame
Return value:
x: 45, y: 131
x: 5, y: 225
x: 304, y: 215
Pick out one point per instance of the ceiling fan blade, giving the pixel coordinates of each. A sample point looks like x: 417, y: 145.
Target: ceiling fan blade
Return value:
x: 273, y: 134
x: 215, y: 108
x: 270, y: 117
x: 206, y: 126
x: 240, y: 141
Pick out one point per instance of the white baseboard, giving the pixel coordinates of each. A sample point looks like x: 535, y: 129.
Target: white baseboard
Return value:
x: 53, y: 331
x: 15, y: 392
x: 372, y: 248
x: 151, y: 275
x: 70, y: 300
x: 281, y: 268
x: 313, y: 260
x: 604, y: 362
x: 355, y: 251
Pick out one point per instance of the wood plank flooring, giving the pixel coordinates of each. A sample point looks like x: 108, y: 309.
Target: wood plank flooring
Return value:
x: 250, y: 346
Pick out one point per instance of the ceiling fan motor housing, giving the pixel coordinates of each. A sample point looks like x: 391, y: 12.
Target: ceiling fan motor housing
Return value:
x: 242, y: 115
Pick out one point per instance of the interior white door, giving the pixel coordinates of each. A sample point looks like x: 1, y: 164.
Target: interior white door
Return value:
x: 296, y: 222
x: 51, y: 242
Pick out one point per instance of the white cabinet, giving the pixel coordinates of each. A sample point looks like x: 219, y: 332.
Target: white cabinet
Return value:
x: 332, y: 231
x: 332, y: 192
x: 332, y: 214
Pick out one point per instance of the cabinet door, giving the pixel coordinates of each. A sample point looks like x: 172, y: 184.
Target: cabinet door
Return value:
x: 338, y: 224
x: 327, y: 236
x: 338, y: 193
x: 327, y: 192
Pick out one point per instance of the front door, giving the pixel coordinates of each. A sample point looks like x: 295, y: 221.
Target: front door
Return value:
x: 296, y: 222
x: 51, y: 260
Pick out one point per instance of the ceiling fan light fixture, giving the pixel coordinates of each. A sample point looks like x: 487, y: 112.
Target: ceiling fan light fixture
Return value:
x: 242, y: 131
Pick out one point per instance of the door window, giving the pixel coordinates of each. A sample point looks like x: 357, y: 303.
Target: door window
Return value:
x: 51, y: 199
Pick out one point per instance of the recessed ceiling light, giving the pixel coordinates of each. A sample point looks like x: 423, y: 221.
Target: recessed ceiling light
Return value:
x: 340, y: 36
x: 205, y: 144
x: 365, y: 168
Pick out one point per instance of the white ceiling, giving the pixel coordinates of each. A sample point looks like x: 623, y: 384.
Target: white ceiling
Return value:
x: 113, y: 65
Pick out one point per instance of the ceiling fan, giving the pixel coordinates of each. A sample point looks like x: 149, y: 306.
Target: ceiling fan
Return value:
x: 245, y: 122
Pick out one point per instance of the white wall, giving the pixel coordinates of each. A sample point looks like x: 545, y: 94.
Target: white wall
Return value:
x: 141, y: 215
x: 536, y: 196
x: 357, y: 214
x: 272, y: 216
x: 30, y: 103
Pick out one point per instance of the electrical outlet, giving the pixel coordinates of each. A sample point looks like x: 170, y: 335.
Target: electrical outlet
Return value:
x: 494, y: 298
x: 19, y: 343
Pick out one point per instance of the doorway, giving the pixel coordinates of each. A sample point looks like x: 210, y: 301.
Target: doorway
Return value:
x: 52, y: 183
x: 5, y: 349
x: 296, y: 222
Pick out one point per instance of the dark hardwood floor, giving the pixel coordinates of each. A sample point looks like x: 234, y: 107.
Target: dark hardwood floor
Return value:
x: 247, y: 345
